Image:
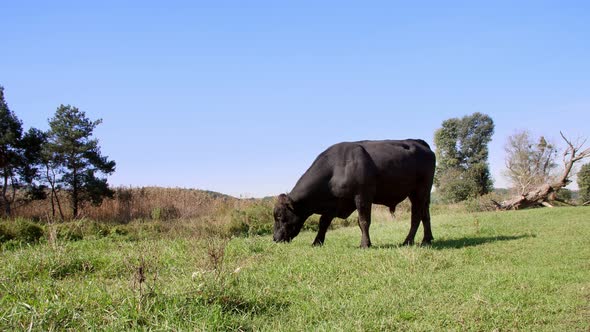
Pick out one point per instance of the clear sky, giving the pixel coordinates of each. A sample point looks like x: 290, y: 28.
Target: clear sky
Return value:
x: 240, y: 96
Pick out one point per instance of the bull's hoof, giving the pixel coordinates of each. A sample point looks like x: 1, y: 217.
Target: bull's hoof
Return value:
x: 427, y: 241
x: 317, y: 243
x: 408, y: 243
x: 365, y: 245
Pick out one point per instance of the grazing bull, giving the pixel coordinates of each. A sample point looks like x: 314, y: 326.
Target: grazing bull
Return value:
x: 353, y: 175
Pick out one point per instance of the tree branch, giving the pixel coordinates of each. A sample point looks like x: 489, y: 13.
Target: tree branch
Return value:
x: 546, y: 204
x: 546, y: 191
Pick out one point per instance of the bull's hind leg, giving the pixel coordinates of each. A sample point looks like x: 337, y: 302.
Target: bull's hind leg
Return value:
x: 417, y: 215
x: 363, y: 207
x: 414, y: 225
x: 426, y: 223
x: 420, y: 212
x: 325, y: 222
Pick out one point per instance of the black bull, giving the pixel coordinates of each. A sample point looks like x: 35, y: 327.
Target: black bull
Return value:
x: 354, y: 175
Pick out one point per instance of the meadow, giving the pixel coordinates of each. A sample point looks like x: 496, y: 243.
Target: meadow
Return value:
x: 516, y: 270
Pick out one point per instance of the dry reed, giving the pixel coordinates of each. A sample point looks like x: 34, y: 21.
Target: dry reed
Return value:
x: 143, y: 203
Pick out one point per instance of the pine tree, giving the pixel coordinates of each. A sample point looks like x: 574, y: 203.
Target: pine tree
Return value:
x: 10, y: 135
x: 19, y: 159
x: 76, y: 157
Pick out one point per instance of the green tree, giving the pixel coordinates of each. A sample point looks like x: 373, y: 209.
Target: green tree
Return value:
x: 462, y: 156
x: 32, y: 160
x: 19, y: 158
x: 584, y: 183
x: 10, y: 135
x: 75, y: 158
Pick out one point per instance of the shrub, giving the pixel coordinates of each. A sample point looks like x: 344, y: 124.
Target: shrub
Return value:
x: 120, y: 230
x: 584, y: 183
x: 313, y: 223
x: 256, y: 219
x: 5, y: 234
x: 483, y: 203
x: 29, y: 232
x: 565, y: 195
x: 21, y: 230
x: 455, y: 186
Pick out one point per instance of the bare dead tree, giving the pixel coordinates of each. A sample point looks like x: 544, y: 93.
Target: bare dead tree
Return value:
x: 572, y: 154
x: 529, y: 164
x: 546, y: 192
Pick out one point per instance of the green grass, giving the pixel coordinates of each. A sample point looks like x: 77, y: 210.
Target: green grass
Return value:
x: 522, y: 270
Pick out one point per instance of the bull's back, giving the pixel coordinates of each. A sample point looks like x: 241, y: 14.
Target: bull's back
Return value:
x: 404, y: 167
x: 405, y: 157
x: 394, y: 167
x: 340, y: 166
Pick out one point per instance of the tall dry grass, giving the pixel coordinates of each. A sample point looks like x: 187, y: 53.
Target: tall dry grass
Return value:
x: 131, y: 203
x: 199, y: 213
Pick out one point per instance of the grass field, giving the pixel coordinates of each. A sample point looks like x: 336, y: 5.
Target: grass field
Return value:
x: 521, y: 270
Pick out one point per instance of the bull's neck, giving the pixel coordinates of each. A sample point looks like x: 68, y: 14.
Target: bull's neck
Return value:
x: 301, y: 206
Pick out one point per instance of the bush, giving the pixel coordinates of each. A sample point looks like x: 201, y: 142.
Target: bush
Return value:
x: 455, y: 186
x: 313, y: 223
x: 21, y: 230
x: 483, y: 203
x: 29, y: 232
x: 5, y: 234
x: 565, y: 195
x: 120, y: 230
x: 584, y: 183
x: 256, y: 219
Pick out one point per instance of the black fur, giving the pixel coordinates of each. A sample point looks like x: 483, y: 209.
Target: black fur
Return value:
x: 354, y: 175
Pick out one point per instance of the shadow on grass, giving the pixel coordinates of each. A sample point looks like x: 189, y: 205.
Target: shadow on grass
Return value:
x: 475, y: 241
x: 463, y: 242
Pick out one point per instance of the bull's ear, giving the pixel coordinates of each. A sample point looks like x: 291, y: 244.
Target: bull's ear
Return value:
x: 285, y: 200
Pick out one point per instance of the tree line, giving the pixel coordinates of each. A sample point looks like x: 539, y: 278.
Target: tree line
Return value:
x: 531, y: 164
x: 65, y: 159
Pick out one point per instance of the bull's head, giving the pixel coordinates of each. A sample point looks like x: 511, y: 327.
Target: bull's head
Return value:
x: 287, y: 222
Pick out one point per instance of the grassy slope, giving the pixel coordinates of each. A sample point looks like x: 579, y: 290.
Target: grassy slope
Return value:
x: 523, y: 270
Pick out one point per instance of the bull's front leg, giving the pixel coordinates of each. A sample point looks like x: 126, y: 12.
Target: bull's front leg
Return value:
x: 325, y: 222
x: 364, y: 209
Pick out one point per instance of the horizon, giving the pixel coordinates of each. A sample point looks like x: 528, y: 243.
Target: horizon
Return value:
x: 240, y: 98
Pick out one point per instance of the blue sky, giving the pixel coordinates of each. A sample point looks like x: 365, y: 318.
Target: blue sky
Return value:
x: 240, y: 96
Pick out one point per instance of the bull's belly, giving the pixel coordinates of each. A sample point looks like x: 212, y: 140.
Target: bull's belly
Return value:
x: 343, y: 207
x: 390, y: 199
x: 337, y: 208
